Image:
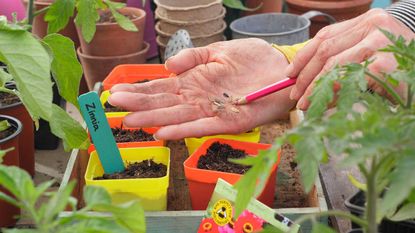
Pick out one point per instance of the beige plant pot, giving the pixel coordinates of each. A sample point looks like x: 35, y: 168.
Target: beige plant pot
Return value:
x: 195, y: 27
x: 189, y: 10
x: 198, y: 41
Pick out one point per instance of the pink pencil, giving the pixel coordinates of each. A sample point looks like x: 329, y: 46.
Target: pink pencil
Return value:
x: 267, y: 90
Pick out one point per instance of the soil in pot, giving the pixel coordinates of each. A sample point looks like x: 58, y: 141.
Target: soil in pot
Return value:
x: 128, y: 135
x: 145, y: 169
x: 8, y: 99
x: 217, y: 156
x: 5, y: 133
x: 107, y: 17
x: 109, y: 108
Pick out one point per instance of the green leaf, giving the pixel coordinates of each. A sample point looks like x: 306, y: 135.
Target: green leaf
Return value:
x: 66, y: 69
x: 406, y: 212
x: 11, y: 26
x: 86, y: 18
x: 94, y: 195
x: 65, y: 127
x: 4, y: 77
x: 4, y: 124
x: 352, y: 84
x: 20, y: 231
x: 123, y: 21
x: 59, y: 14
x: 237, y: 4
x: 320, y: 228
x: 356, y: 183
x: 58, y: 202
x: 400, y: 186
x: 322, y: 94
x: 29, y: 64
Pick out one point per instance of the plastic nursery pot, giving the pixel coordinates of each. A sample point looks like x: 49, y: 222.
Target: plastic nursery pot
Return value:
x: 202, y: 182
x: 134, y: 74
x: 252, y: 136
x: 26, y: 138
x: 356, y: 205
x: 152, y: 192
x: 117, y: 122
x: 104, y: 99
x: 96, y: 68
x: 112, y: 40
x: 8, y: 212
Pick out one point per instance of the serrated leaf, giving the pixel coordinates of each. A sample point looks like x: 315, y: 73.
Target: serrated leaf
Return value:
x: 68, y: 129
x: 406, y: 212
x: 123, y: 21
x: 59, y: 14
x: 86, y: 18
x: 400, y: 186
x: 66, y: 69
x: 322, y: 94
x: 58, y: 202
x: 237, y: 4
x: 29, y: 64
x: 94, y: 195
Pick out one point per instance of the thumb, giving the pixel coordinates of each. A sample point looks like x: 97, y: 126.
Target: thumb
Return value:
x: 187, y: 59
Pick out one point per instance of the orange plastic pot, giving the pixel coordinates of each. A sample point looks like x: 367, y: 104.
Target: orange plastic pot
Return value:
x: 202, y: 182
x: 8, y: 212
x: 134, y: 74
x: 117, y: 122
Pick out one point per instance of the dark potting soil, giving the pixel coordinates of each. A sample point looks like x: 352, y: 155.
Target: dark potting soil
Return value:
x: 216, y: 159
x: 143, y: 81
x: 128, y: 135
x: 145, y: 169
x: 5, y: 133
x: 107, y: 17
x: 8, y: 99
x: 109, y: 108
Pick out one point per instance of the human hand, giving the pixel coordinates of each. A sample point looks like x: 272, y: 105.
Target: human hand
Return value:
x: 351, y: 41
x: 194, y: 103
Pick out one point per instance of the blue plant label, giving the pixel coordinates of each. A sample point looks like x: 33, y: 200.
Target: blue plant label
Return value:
x: 101, y: 133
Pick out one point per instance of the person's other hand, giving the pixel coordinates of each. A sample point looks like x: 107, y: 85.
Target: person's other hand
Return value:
x: 195, y: 103
x: 351, y: 41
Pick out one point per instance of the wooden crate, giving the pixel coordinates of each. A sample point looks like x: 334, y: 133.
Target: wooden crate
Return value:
x: 187, y: 221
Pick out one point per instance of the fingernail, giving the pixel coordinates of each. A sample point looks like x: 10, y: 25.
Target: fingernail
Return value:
x: 300, y: 104
x: 289, y: 70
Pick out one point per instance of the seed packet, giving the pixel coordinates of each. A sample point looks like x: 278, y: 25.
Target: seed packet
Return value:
x: 219, y: 217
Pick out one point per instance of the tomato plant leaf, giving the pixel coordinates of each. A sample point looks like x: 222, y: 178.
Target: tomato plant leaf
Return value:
x: 86, y: 18
x: 4, y: 77
x: 59, y: 14
x: 406, y: 212
x: 94, y: 195
x: 66, y: 69
x: 322, y: 94
x: 68, y: 129
x: 320, y: 228
x: 123, y: 21
x: 29, y: 64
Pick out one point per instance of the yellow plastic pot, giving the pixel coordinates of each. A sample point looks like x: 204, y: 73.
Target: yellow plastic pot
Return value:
x: 193, y: 143
x: 152, y: 192
x: 104, y: 98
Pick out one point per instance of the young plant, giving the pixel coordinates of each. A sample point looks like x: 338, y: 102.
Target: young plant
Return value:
x: 45, y: 208
x: 4, y: 125
x: 372, y: 132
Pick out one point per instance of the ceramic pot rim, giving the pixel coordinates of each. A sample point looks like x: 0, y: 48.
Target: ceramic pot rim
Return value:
x: 142, y: 14
x: 179, y: 22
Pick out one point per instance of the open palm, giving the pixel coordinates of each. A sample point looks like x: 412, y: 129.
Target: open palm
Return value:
x: 198, y: 101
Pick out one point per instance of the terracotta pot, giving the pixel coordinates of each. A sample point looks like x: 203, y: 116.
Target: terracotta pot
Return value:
x: 96, y: 68
x: 26, y: 152
x: 189, y: 10
x: 198, y: 41
x: 268, y: 6
x: 8, y: 211
x: 340, y: 10
x: 195, y: 27
x: 40, y: 27
x: 112, y: 40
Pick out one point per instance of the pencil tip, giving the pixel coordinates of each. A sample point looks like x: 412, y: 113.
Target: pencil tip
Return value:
x: 240, y: 101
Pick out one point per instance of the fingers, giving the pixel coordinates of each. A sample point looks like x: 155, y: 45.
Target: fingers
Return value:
x: 141, y: 102
x: 165, y: 85
x: 325, y: 51
x: 188, y: 58
x: 164, y: 116
x: 197, y: 128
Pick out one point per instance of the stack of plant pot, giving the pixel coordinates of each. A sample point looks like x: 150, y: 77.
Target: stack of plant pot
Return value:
x: 203, y: 19
x: 339, y: 9
x: 112, y: 45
